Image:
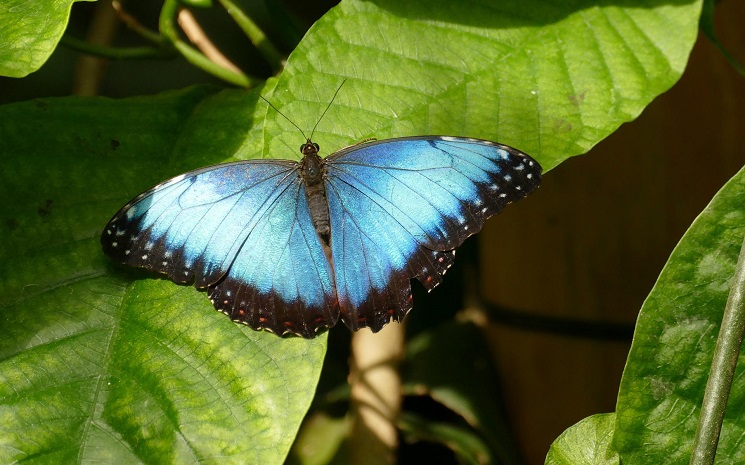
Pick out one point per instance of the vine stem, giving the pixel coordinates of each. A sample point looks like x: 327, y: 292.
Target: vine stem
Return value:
x: 726, y: 354
x: 255, y: 35
x: 197, y: 36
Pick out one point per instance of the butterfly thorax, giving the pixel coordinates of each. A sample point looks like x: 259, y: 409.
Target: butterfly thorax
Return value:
x: 312, y: 172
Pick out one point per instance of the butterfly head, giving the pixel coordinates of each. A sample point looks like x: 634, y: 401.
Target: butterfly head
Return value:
x: 309, y: 148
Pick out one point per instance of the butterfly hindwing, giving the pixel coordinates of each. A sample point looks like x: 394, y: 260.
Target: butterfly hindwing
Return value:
x: 400, y: 207
x: 281, y: 280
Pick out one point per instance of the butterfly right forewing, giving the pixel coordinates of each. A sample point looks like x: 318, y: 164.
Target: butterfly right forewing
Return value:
x: 400, y: 207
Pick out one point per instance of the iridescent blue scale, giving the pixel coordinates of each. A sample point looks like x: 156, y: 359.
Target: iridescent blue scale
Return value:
x: 291, y: 247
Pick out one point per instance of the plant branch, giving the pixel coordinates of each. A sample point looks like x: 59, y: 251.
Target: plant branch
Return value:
x: 167, y: 28
x: 132, y: 23
x: 196, y: 35
x: 89, y: 69
x: 255, y: 35
x: 726, y: 354
x: 114, y: 53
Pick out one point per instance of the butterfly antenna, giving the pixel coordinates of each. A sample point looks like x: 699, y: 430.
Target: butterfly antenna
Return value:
x: 327, y: 107
x: 285, y: 117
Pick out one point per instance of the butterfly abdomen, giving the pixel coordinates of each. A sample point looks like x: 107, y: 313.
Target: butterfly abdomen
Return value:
x: 312, y: 173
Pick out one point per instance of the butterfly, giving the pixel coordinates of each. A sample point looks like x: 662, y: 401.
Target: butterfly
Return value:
x: 293, y: 246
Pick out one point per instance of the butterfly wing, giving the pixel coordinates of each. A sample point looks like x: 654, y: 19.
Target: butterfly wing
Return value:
x: 400, y: 207
x: 281, y: 280
x: 233, y: 228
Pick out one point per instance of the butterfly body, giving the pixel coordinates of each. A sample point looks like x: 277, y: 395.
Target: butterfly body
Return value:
x: 312, y: 172
x: 291, y: 247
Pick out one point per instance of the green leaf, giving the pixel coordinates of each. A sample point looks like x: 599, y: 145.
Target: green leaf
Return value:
x: 29, y: 32
x: 551, y: 79
x: 666, y: 373
x: 94, y: 367
x: 586, y: 443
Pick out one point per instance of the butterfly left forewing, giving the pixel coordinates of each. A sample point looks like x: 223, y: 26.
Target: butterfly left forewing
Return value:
x: 240, y: 229
x: 281, y: 279
x: 192, y: 226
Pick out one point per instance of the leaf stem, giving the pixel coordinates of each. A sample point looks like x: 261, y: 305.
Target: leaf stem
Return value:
x: 255, y: 35
x: 114, y: 53
x: 723, y: 365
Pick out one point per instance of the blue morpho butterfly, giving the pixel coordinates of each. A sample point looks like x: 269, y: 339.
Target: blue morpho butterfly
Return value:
x: 290, y: 246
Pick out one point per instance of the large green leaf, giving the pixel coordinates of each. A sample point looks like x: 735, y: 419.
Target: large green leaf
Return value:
x: 668, y: 366
x: 550, y: 78
x: 102, y: 363
x: 29, y: 32
x: 93, y: 366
